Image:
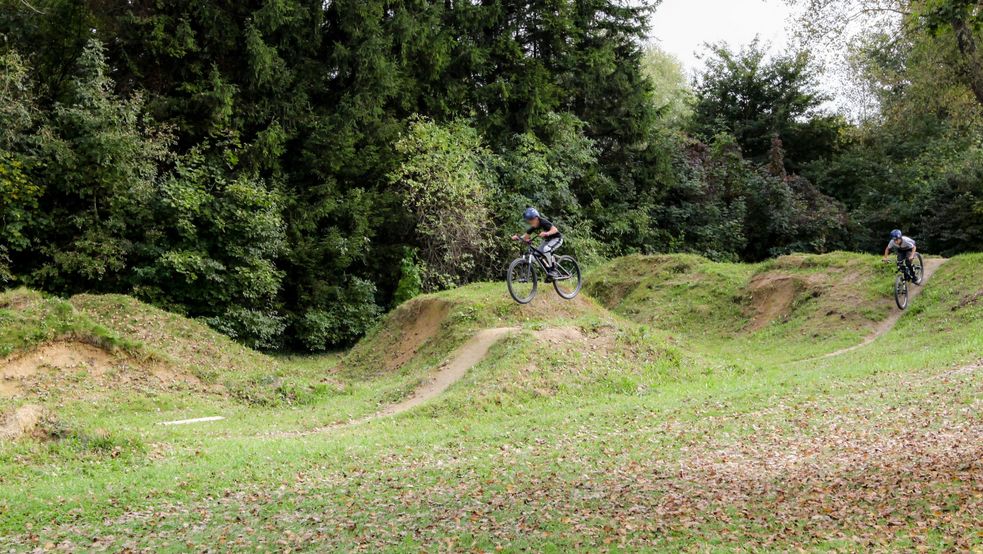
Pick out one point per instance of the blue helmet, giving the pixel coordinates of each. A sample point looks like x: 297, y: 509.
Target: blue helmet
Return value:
x: 896, y: 234
x: 530, y: 214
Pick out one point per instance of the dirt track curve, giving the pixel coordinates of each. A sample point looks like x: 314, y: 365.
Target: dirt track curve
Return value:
x: 931, y: 265
x: 456, y: 367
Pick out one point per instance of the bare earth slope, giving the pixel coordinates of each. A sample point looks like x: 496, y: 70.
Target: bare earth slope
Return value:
x: 463, y: 359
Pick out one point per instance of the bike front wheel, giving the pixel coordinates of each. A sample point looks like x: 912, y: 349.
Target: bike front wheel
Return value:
x: 522, y: 281
x: 568, y: 281
x: 901, y: 292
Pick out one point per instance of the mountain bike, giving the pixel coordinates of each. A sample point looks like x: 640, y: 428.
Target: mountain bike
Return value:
x: 523, y: 275
x: 901, y: 295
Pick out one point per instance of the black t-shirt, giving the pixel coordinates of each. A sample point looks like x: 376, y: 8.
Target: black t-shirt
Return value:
x: 544, y: 225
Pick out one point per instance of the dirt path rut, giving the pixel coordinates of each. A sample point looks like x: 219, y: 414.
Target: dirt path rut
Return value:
x: 456, y: 367
x: 931, y: 265
x: 461, y: 361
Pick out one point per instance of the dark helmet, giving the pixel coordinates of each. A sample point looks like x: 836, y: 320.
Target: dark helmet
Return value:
x: 896, y: 234
x: 530, y: 214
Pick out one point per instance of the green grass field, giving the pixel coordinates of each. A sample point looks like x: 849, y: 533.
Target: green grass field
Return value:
x: 683, y: 409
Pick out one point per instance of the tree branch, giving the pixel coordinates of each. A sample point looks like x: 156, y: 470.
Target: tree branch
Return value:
x: 32, y: 8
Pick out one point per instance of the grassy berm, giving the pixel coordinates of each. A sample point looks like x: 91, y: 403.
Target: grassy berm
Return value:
x: 679, y: 404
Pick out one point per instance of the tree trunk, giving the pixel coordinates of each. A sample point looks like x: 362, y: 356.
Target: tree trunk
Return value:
x: 973, y: 66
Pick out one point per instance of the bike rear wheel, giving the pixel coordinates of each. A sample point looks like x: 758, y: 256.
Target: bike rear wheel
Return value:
x: 522, y: 281
x: 919, y: 265
x: 568, y: 281
x: 901, y: 292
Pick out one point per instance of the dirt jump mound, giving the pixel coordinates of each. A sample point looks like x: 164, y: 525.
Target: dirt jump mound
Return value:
x: 773, y: 297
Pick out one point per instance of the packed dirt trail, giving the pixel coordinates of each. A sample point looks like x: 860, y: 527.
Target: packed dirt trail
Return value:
x: 931, y: 265
x: 457, y: 366
x: 461, y: 361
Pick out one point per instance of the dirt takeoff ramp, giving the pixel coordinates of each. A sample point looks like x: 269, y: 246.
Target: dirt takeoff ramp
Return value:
x: 451, y: 372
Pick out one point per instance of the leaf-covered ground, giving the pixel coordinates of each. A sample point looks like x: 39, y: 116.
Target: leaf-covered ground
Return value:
x: 880, y: 449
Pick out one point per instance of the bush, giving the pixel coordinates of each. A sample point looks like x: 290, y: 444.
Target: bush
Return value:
x: 211, y: 248
x: 444, y: 180
x: 410, y: 279
x: 255, y: 329
x: 345, y: 320
x: 953, y: 208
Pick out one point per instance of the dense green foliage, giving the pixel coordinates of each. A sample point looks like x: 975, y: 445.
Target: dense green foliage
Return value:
x: 287, y: 170
x: 445, y: 184
x: 756, y: 99
x: 670, y: 91
x: 915, y: 161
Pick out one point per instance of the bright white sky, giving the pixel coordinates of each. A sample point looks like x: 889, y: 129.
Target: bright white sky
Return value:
x: 681, y: 27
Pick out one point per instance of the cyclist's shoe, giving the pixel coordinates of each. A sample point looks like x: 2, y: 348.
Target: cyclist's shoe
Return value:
x: 552, y: 275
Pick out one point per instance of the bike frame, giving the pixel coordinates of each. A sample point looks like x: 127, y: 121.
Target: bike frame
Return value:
x: 901, y: 270
x: 534, y: 254
x: 914, y: 267
x: 901, y: 287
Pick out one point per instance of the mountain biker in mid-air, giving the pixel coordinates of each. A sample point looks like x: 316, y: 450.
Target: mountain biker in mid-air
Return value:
x: 544, y: 228
x: 905, y: 247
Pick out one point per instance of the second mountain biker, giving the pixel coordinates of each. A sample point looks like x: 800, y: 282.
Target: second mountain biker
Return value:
x: 906, y: 248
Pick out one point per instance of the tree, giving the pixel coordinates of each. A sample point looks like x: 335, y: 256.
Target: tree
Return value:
x: 210, y: 252
x: 954, y: 25
x: 755, y: 98
x: 97, y: 165
x: 905, y: 166
x: 728, y: 208
x: 704, y: 211
x: 963, y: 19
x: 268, y: 165
x: 953, y: 220
x: 671, y: 93
x: 445, y: 179
x: 19, y: 192
x: 556, y: 171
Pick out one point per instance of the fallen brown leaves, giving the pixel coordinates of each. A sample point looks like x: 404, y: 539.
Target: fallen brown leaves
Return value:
x: 852, y: 475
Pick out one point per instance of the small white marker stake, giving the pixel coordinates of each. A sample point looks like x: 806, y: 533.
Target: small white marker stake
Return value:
x: 188, y: 421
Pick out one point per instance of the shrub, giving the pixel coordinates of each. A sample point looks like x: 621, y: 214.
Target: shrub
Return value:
x: 343, y: 321
x: 445, y: 179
